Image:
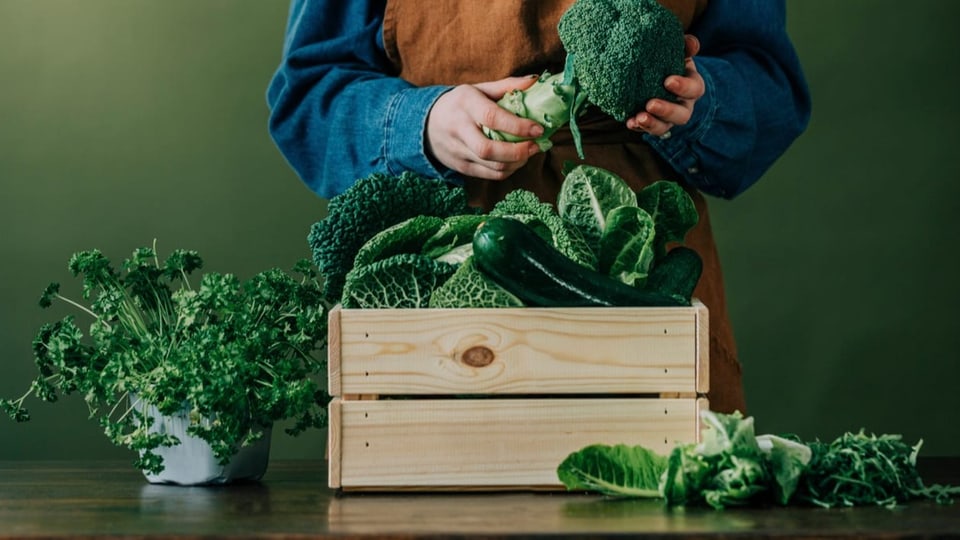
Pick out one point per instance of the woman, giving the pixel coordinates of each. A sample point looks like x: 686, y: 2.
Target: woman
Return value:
x: 393, y: 85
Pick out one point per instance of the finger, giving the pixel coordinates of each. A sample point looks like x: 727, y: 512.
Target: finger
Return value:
x: 484, y: 150
x: 649, y: 123
x: 483, y: 173
x: 691, y: 45
x: 670, y: 113
x: 488, y: 170
x: 496, y: 89
x: 497, y: 118
x: 487, y: 113
x: 494, y: 160
x: 689, y: 86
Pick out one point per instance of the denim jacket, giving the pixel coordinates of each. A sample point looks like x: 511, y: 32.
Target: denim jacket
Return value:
x: 338, y: 112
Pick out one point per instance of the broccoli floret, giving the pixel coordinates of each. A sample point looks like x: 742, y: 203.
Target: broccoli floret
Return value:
x: 619, y: 52
x: 371, y: 205
x: 622, y: 51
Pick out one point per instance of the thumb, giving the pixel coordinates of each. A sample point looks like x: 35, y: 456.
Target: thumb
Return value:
x: 496, y: 89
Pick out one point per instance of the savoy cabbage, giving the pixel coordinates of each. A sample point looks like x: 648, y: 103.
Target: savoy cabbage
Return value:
x: 411, y: 245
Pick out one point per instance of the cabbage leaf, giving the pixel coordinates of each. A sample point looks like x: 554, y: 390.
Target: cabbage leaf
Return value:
x: 626, y: 245
x: 730, y: 466
x: 405, y: 280
x: 672, y: 209
x: 405, y: 237
x: 620, y: 470
x: 587, y: 195
x: 470, y: 288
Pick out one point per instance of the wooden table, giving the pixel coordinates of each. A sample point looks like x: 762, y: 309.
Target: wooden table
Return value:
x: 100, y: 499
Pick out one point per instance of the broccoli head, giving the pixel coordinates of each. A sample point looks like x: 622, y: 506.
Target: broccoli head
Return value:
x: 622, y: 50
x: 370, y: 205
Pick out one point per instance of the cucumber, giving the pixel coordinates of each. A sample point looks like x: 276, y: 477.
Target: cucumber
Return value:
x: 522, y: 262
x: 676, y: 273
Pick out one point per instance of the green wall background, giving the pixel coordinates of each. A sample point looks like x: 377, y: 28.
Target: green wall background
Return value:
x: 124, y: 121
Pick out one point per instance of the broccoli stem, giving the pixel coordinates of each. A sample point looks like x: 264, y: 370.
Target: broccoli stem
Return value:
x: 555, y: 100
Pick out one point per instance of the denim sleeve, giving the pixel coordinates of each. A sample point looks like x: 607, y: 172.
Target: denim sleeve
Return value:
x: 337, y: 110
x: 756, y: 103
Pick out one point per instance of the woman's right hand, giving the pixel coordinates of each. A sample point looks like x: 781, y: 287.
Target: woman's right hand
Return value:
x: 455, y: 139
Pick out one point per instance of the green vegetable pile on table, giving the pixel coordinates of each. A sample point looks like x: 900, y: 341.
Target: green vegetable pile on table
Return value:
x: 412, y: 242
x: 732, y: 466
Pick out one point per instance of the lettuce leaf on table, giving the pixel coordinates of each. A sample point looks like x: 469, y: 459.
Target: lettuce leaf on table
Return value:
x: 620, y: 470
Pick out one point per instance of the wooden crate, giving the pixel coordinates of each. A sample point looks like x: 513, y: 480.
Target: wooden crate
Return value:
x: 497, y: 398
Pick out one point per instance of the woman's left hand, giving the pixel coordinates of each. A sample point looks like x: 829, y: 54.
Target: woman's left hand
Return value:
x: 661, y: 115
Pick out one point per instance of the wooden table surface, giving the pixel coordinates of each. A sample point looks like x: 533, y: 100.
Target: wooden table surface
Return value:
x: 110, y: 499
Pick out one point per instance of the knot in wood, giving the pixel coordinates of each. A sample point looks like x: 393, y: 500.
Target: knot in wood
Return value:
x: 478, y: 356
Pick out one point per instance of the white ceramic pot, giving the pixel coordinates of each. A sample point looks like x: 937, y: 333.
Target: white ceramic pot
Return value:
x: 192, y: 462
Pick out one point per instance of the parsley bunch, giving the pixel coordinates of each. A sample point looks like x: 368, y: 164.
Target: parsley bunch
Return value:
x: 238, y: 355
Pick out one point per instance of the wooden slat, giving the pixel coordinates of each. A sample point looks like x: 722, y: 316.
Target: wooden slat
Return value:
x: 703, y: 404
x: 703, y: 347
x: 473, y: 443
x: 334, y: 446
x: 334, y: 355
x: 518, y: 351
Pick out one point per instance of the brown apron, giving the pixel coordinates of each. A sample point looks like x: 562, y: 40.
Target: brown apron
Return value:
x: 466, y: 42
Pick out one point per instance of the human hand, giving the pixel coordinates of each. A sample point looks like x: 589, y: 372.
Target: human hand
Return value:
x: 661, y: 115
x: 455, y: 139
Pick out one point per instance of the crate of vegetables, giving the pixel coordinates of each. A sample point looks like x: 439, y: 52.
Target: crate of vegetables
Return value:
x: 476, y: 350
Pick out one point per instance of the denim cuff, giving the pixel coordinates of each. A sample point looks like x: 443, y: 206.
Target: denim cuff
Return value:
x: 678, y: 147
x: 404, y: 133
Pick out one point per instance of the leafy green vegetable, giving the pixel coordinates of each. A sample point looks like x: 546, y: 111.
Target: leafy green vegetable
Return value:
x: 788, y: 459
x: 470, y: 288
x: 405, y: 237
x: 626, y: 245
x: 672, y: 209
x: 731, y: 466
x: 525, y: 206
x: 866, y: 469
x: 453, y: 242
x: 587, y: 195
x: 726, y: 434
x: 682, y: 483
x: 369, y: 206
x: 630, y: 230
x: 676, y: 273
x: 726, y: 468
x: 405, y: 280
x: 620, y: 470
x: 403, y: 263
x: 237, y: 353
